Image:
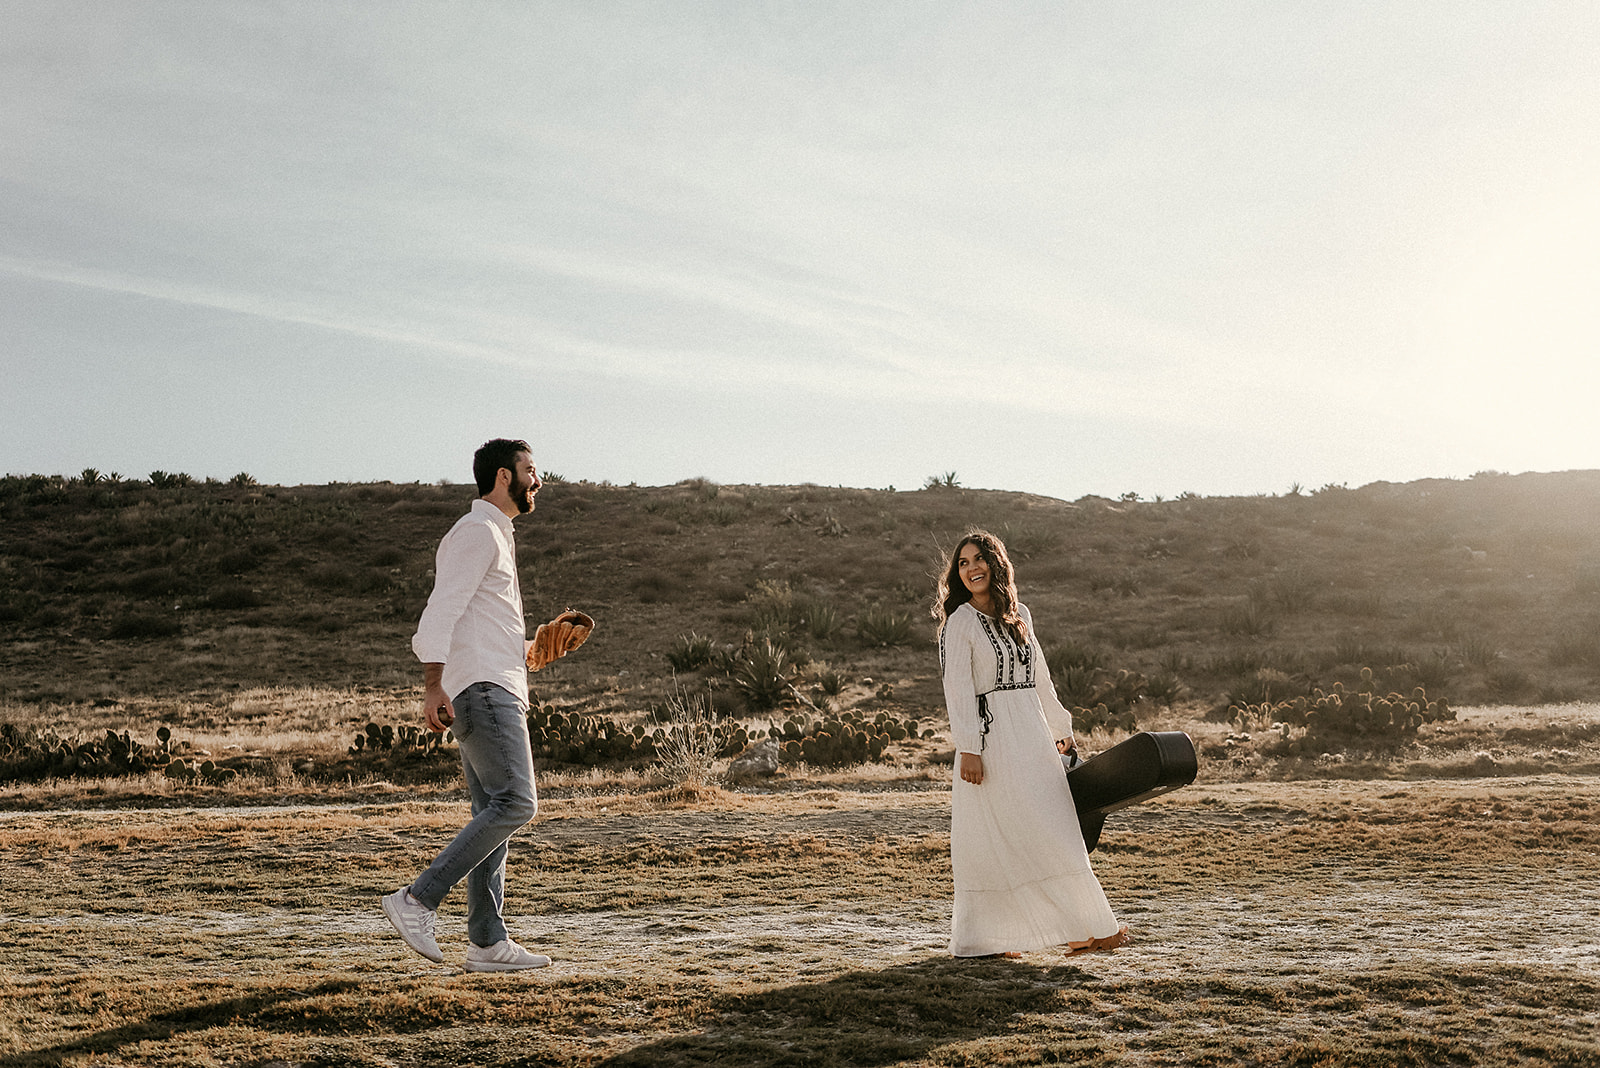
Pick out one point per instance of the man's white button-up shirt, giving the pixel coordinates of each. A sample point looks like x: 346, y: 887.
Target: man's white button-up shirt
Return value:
x: 473, y: 623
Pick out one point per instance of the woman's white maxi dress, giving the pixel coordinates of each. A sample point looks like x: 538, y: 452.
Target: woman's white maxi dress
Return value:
x: 1022, y: 874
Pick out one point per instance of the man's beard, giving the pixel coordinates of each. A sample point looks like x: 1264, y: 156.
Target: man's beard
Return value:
x: 522, y: 494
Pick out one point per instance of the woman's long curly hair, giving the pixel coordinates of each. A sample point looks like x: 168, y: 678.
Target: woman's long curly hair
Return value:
x: 953, y: 593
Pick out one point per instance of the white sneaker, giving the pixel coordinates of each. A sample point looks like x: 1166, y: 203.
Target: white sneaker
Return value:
x: 414, y: 921
x: 504, y: 956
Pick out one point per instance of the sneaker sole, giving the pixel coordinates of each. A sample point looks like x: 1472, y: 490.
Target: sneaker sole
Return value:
x: 492, y: 966
x: 394, y: 921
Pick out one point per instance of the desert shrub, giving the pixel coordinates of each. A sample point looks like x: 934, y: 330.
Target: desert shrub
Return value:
x: 772, y: 608
x: 1028, y: 541
x: 345, y: 578
x: 764, y: 675
x: 1125, y: 583
x: 388, y: 556
x: 1231, y: 663
x: 848, y: 738
x: 1353, y: 649
x: 690, y: 652
x: 1152, y: 634
x: 341, y: 535
x: 153, y: 582
x: 1264, y: 685
x: 817, y: 617
x: 1366, y: 604
x: 234, y: 597
x: 329, y: 576
x: 1335, y: 717
x: 575, y: 738
x: 1242, y: 547
x: 1508, y: 681
x: 721, y: 514
x: 1164, y: 688
x: 407, y: 753
x: 688, y: 745
x: 702, y: 488
x: 1434, y: 670
x: 1579, y: 647
x: 318, y: 621
x: 76, y: 560
x: 164, y: 480
x: 830, y: 681
x: 1292, y: 590
x: 1477, y: 651
x: 1113, y: 701
x: 882, y: 627
x: 1061, y: 657
x: 1175, y: 661
x: 387, y: 745
x: 237, y: 561
x: 1075, y: 684
x: 137, y: 625
x: 1249, y: 620
x: 51, y: 616
x: 31, y: 755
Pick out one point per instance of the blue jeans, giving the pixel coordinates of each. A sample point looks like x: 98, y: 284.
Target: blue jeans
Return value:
x: 492, y: 731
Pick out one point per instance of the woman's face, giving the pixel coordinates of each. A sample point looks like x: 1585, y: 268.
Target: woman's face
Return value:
x: 974, y: 570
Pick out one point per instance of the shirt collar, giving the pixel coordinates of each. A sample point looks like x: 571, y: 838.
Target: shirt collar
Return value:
x: 483, y: 507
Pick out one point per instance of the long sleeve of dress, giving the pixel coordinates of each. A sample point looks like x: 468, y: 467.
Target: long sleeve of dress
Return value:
x: 1059, y: 715
x: 956, y: 642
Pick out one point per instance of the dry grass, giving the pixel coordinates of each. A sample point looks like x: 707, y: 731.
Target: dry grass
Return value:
x: 1310, y: 923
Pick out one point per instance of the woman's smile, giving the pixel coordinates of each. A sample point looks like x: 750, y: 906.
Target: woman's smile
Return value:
x: 974, y: 570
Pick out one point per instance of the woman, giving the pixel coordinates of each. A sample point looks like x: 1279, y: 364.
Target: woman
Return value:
x: 1022, y: 875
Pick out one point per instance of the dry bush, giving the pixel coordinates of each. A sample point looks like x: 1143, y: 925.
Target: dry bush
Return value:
x: 692, y: 737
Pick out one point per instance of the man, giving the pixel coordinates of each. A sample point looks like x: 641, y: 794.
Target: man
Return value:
x: 473, y: 649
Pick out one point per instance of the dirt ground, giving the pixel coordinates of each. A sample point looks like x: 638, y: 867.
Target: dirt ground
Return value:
x: 1315, y: 923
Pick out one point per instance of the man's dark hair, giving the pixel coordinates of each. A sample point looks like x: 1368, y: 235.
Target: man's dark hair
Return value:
x: 491, y: 457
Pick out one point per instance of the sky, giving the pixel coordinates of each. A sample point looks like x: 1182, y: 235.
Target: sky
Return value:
x: 1060, y: 247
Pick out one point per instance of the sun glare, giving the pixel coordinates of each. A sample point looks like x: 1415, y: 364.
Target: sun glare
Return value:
x: 1515, y: 336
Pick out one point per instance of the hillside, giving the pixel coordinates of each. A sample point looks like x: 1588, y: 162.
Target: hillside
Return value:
x: 1485, y: 589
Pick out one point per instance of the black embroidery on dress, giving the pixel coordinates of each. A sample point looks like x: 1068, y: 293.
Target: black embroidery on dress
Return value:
x: 1008, y: 657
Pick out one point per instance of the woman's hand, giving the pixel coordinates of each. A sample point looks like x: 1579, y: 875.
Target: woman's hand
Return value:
x: 972, y: 768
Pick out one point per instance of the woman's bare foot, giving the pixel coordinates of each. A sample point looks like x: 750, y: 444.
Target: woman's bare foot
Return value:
x: 1100, y: 945
x: 1001, y: 956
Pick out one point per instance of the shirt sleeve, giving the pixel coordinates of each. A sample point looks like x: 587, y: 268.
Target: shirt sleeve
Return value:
x: 464, y: 558
x: 1056, y: 712
x: 960, y: 698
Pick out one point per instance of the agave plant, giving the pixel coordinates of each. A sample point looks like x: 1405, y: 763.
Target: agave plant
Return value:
x: 883, y: 626
x: 764, y: 675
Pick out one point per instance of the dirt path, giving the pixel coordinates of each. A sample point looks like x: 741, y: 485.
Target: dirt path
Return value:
x: 1456, y: 908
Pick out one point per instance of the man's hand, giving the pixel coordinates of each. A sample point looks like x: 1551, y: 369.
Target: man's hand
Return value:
x: 972, y: 768
x: 436, y: 706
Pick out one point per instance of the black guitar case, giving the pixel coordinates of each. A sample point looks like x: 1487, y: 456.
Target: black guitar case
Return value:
x: 1147, y: 765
